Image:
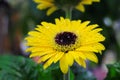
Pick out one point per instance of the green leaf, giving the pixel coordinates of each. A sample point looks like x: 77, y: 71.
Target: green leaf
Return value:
x: 113, y: 71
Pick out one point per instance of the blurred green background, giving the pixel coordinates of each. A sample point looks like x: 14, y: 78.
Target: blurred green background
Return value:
x: 17, y: 17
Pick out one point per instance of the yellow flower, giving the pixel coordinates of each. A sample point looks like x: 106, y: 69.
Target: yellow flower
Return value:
x: 53, y: 5
x: 44, y: 4
x: 81, y: 4
x: 65, y: 41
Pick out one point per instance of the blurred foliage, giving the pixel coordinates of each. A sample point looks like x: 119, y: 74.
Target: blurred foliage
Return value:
x: 21, y: 68
x: 113, y: 71
x: 81, y: 73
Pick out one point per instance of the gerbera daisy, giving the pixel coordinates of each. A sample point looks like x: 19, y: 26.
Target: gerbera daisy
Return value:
x: 65, y: 41
x: 53, y: 5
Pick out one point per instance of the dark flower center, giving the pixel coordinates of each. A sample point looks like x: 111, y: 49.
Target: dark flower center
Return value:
x: 65, y: 38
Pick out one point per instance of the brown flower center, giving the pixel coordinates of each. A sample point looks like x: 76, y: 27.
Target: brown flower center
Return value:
x: 65, y: 38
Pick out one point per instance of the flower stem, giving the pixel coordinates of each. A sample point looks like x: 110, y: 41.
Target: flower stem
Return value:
x: 67, y: 76
x: 68, y: 13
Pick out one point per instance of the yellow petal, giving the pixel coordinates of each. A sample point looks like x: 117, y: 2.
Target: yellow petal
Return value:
x: 63, y: 64
x: 40, y: 53
x: 42, y: 6
x: 58, y: 56
x: 80, y: 7
x: 77, y: 54
x: 33, y: 33
x: 46, y: 57
x: 83, y: 25
x: 91, y: 27
x: 43, y: 1
x: 91, y: 56
x: 94, y: 47
x: 51, y: 10
x: 48, y: 63
x: 69, y: 59
x: 57, y: 21
x: 87, y: 2
x: 80, y: 59
x: 38, y: 49
x: 37, y: 1
x: 96, y: 30
x: 81, y: 62
x: 96, y: 0
x: 87, y: 48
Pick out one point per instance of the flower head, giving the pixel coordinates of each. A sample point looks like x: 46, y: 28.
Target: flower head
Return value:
x: 53, y: 5
x: 65, y: 41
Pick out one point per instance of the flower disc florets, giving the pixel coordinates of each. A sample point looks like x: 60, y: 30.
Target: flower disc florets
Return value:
x: 65, y: 38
